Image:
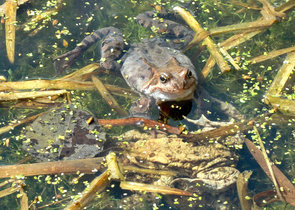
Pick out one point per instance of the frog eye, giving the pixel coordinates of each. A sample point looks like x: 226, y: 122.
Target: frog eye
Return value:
x: 189, y: 74
x: 163, y: 78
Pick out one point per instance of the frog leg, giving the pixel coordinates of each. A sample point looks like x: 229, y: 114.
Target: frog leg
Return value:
x: 111, y: 50
x: 206, y: 102
x: 177, y: 35
x: 141, y: 107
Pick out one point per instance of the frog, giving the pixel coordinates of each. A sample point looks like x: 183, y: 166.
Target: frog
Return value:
x: 155, y: 68
x: 207, y: 168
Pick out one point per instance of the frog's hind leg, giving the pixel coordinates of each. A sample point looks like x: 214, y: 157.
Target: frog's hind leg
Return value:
x: 179, y: 35
x: 112, y: 48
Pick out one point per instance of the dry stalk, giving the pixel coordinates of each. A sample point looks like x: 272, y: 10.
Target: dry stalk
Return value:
x: 272, y: 54
x: 242, y: 187
x: 269, y: 164
x: 10, y: 14
x: 108, y: 97
x: 282, y: 76
x: 213, y: 49
x: 89, y: 166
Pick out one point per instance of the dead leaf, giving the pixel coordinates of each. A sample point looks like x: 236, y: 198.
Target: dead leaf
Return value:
x: 286, y: 187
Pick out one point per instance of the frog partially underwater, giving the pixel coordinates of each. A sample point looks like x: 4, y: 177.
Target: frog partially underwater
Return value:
x: 205, y: 168
x: 155, y: 68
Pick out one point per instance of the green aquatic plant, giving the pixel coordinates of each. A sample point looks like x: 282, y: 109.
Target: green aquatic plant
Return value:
x: 244, y: 88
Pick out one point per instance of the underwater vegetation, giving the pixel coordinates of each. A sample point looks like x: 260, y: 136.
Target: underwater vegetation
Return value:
x: 217, y: 156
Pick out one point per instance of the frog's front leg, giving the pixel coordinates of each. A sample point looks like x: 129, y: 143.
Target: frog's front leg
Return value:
x: 141, y: 107
x: 205, y: 102
x: 111, y: 49
x: 178, y: 35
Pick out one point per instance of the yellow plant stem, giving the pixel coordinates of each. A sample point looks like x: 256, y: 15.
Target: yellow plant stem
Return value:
x: 268, y: 163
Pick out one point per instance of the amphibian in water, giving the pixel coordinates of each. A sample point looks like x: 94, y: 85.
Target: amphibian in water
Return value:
x: 205, y: 168
x: 155, y: 68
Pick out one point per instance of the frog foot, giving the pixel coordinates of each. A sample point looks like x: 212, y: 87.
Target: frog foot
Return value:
x: 64, y: 61
x: 218, y: 179
x: 206, y: 123
x: 141, y: 107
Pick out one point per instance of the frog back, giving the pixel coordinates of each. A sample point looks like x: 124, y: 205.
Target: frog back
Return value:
x: 145, y: 60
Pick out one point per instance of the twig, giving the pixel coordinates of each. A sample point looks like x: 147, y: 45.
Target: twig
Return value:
x: 8, y: 191
x: 142, y: 122
x: 153, y: 188
x: 108, y: 97
x: 266, y: 21
x: 10, y: 14
x: 272, y: 54
x: 24, y: 203
x: 30, y: 94
x: 96, y: 186
x: 82, y: 74
x: 285, y: 106
x: 286, y: 6
x: 268, y: 163
x: 19, y: 2
x: 19, y: 122
x: 282, y: 76
x: 214, y: 51
x: 242, y: 27
x: 242, y: 187
x: 74, y: 81
x: 229, y: 58
x: 90, y: 166
x: 61, y: 84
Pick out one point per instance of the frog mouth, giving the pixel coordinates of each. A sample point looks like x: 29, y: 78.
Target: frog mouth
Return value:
x: 160, y: 95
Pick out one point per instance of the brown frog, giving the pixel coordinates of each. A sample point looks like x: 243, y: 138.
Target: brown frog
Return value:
x: 205, y: 168
x: 155, y: 68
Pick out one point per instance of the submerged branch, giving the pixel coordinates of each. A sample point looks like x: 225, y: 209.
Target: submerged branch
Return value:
x: 30, y: 95
x: 108, y: 97
x: 286, y: 6
x: 282, y: 76
x: 268, y: 163
x: 214, y: 51
x: 142, y: 122
x: 10, y: 22
x: 272, y: 54
x: 19, y: 122
x: 153, y: 188
x: 96, y: 186
x: 242, y: 187
x: 286, y: 106
x: 242, y: 27
x: 89, y: 166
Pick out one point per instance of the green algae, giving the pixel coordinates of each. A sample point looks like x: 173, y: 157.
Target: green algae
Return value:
x: 35, y: 54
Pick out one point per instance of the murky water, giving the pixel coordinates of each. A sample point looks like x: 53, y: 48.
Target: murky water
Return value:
x: 65, y: 24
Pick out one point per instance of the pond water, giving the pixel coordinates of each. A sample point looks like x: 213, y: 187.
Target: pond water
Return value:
x: 66, y: 23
